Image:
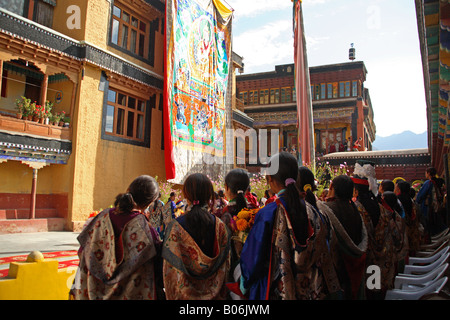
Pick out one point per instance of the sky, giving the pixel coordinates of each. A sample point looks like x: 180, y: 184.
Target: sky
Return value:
x: 384, y: 34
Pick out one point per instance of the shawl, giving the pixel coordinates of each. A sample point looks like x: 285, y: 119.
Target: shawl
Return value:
x: 349, y: 257
x: 275, y: 265
x: 391, y: 245
x: 190, y: 274
x: 102, y: 275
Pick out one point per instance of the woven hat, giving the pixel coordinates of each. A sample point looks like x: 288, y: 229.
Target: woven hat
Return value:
x: 364, y: 174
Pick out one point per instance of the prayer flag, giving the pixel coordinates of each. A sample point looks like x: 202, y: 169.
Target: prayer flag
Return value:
x: 302, y: 84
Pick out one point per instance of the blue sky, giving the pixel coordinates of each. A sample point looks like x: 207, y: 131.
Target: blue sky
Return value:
x: 385, y: 36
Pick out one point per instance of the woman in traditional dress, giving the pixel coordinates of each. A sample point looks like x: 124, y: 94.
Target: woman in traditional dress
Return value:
x: 236, y: 183
x: 321, y: 282
x: 403, y: 192
x: 431, y: 200
x: 196, y: 249
x: 277, y: 239
x: 365, y: 190
x: 118, y: 249
x: 391, y: 240
x: 349, y: 245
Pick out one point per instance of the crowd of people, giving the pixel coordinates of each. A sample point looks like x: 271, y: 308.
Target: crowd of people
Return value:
x: 301, y: 246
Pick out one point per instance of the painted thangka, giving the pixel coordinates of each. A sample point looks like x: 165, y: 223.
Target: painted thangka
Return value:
x: 197, y: 75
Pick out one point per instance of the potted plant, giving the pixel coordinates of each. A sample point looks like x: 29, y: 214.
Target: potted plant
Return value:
x: 61, y: 115
x: 66, y: 122
x: 39, y: 113
x: 23, y: 105
x: 56, y: 119
x: 48, y: 109
x: 31, y: 110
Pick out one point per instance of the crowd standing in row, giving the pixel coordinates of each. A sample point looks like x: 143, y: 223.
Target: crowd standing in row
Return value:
x: 300, y: 245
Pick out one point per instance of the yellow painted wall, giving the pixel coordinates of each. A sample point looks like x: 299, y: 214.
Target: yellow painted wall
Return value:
x: 102, y: 168
x: 17, y: 178
x: 98, y: 22
x: 60, y: 18
x: 15, y: 89
x: 66, y: 87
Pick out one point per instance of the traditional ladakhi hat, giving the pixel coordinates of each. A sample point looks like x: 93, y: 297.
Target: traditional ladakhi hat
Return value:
x: 364, y: 174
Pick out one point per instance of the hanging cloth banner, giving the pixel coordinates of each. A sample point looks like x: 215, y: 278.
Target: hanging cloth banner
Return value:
x: 198, y: 44
x: 303, y: 90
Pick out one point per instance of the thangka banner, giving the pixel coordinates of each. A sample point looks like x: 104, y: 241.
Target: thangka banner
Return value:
x: 198, y: 62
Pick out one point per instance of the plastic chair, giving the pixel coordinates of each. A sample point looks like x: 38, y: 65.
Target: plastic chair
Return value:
x: 440, y: 235
x: 413, y: 269
x: 406, y: 282
x: 398, y: 294
x: 430, y: 252
x: 429, y: 259
x: 435, y: 244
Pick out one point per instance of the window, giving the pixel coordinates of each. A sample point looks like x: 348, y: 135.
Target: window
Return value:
x: 244, y: 97
x: 40, y: 11
x: 253, y: 97
x: 329, y: 90
x: 322, y: 91
x: 354, y: 88
x: 347, y: 88
x: 286, y: 95
x: 294, y: 95
x: 275, y: 95
x: 341, y: 89
x: 129, y: 32
x: 125, y: 115
x: 264, y: 96
x: 317, y: 96
x: 335, y: 89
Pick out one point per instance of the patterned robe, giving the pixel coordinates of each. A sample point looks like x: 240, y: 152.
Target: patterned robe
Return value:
x: 275, y: 266
x: 188, y: 273
x: 391, y: 245
x: 349, y: 257
x: 106, y: 272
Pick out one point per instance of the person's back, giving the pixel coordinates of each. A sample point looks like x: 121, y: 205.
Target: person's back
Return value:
x: 196, y: 248
x: 349, y: 217
x: 119, y: 247
x: 349, y: 246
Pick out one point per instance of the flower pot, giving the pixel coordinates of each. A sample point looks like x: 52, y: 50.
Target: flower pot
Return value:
x: 35, y: 119
x: 41, y: 120
x: 61, y: 123
x: 29, y: 118
x: 19, y: 116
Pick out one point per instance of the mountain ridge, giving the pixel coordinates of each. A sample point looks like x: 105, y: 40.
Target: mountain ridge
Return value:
x: 400, y: 141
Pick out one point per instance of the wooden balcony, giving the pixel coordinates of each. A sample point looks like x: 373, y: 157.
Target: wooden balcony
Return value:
x: 240, y: 105
x: 31, y: 128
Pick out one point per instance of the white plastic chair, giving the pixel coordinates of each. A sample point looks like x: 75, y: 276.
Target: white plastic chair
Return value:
x: 413, y: 269
x: 440, y: 235
x: 435, y: 244
x: 430, y: 252
x: 433, y: 287
x: 406, y: 282
x: 429, y: 259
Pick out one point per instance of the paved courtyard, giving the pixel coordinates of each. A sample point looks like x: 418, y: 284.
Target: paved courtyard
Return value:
x: 23, y: 243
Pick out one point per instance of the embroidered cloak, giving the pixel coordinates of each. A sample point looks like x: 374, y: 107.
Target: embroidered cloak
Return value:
x: 188, y: 273
x: 296, y: 271
x: 349, y: 257
x: 106, y: 273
